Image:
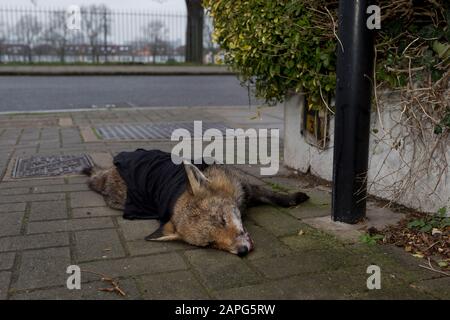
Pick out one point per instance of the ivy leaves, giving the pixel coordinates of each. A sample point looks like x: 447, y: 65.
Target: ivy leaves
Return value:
x: 277, y: 43
x: 287, y: 45
x: 443, y: 124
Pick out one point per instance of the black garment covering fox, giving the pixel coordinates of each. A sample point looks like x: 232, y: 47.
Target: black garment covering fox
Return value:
x: 154, y: 183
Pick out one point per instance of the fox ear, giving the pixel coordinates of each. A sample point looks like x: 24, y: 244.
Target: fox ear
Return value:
x: 196, y: 179
x: 165, y: 232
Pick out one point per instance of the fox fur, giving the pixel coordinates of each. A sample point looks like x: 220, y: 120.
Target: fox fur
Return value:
x: 208, y: 212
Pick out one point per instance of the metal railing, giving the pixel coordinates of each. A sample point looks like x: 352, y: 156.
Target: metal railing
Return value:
x: 35, y: 35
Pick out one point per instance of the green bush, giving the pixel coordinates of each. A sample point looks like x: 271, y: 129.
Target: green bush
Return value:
x: 290, y: 45
x: 278, y: 45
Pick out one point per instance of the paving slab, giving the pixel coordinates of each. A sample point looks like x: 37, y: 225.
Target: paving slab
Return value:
x: 18, y: 183
x: 43, y: 268
x: 65, y: 122
x: 266, y: 244
x: 77, y: 180
x: 88, y: 291
x: 88, y: 134
x: 309, y: 210
x: 439, y: 288
x: 7, y: 260
x: 102, y: 159
x: 11, y: 223
x: 61, y: 188
x: 126, y: 267
x: 305, y: 241
x: 98, y: 244
x: 35, y: 241
x: 274, y: 220
x: 143, y: 247
x: 221, y: 270
x: 180, y: 285
x: 264, y: 291
x: 48, y: 210
x: 14, y: 191
x: 304, y: 263
x: 137, y: 229
x: 95, y: 212
x: 32, y: 197
x: 12, y: 207
x: 69, y: 225
x: 86, y: 199
x: 314, y: 286
x: 5, y: 279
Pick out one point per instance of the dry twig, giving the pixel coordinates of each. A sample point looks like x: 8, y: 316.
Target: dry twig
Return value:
x: 115, y: 284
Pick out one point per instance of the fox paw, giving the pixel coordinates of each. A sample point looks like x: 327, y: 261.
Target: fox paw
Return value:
x: 298, y: 198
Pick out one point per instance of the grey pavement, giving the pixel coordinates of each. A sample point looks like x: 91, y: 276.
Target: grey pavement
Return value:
x: 49, y: 223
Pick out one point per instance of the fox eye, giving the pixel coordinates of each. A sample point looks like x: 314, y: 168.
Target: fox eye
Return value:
x: 223, y: 222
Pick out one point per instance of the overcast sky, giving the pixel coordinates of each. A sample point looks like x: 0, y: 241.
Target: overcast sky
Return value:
x: 157, y: 5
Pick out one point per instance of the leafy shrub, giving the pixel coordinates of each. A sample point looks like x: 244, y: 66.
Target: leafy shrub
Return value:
x: 290, y: 45
x: 278, y: 45
x: 437, y: 221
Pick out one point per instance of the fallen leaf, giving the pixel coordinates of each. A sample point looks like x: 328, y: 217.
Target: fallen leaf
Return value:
x: 442, y: 264
x: 418, y: 255
x: 436, y: 231
x: 408, y: 248
x: 301, y: 232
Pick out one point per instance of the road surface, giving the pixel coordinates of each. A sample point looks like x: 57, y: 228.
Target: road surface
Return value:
x: 35, y: 93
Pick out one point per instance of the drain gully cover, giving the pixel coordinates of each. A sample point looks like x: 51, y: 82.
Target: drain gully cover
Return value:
x: 151, y: 130
x: 48, y: 166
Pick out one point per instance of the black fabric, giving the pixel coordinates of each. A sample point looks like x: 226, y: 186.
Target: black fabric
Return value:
x: 153, y: 182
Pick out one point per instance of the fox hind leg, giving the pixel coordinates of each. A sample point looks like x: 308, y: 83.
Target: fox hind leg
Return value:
x: 113, y: 203
x: 110, y: 184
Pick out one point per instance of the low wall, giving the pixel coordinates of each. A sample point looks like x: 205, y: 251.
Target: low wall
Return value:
x: 400, y: 169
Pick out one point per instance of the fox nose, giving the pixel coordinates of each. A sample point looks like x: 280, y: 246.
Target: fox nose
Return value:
x: 242, y: 251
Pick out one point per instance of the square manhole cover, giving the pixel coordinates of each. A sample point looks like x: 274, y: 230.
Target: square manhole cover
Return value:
x: 150, y: 130
x: 47, y: 166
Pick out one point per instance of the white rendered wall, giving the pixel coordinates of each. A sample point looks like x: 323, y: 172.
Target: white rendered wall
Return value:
x: 425, y: 187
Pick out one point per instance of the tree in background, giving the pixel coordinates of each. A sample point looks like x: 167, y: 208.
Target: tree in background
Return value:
x: 3, y: 33
x: 194, y: 31
x: 28, y: 30
x: 154, y: 33
x: 97, y: 24
x: 56, y: 34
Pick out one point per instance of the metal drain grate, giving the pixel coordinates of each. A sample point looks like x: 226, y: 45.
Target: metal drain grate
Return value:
x: 151, y: 130
x: 47, y: 166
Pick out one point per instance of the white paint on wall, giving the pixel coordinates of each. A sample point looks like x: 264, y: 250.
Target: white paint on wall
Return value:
x: 424, y: 187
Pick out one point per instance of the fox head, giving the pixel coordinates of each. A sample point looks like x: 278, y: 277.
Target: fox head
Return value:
x: 207, y: 213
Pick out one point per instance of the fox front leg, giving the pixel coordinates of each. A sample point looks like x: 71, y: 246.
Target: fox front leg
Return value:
x: 259, y: 195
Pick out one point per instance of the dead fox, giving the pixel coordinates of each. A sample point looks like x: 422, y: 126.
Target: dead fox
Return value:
x: 208, y: 210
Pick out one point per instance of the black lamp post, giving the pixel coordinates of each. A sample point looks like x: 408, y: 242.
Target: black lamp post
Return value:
x: 352, y: 120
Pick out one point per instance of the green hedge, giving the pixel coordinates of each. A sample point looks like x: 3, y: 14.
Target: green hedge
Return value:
x: 286, y: 45
x: 277, y: 45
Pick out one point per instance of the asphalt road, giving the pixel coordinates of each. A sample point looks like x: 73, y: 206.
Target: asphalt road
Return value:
x: 33, y: 93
